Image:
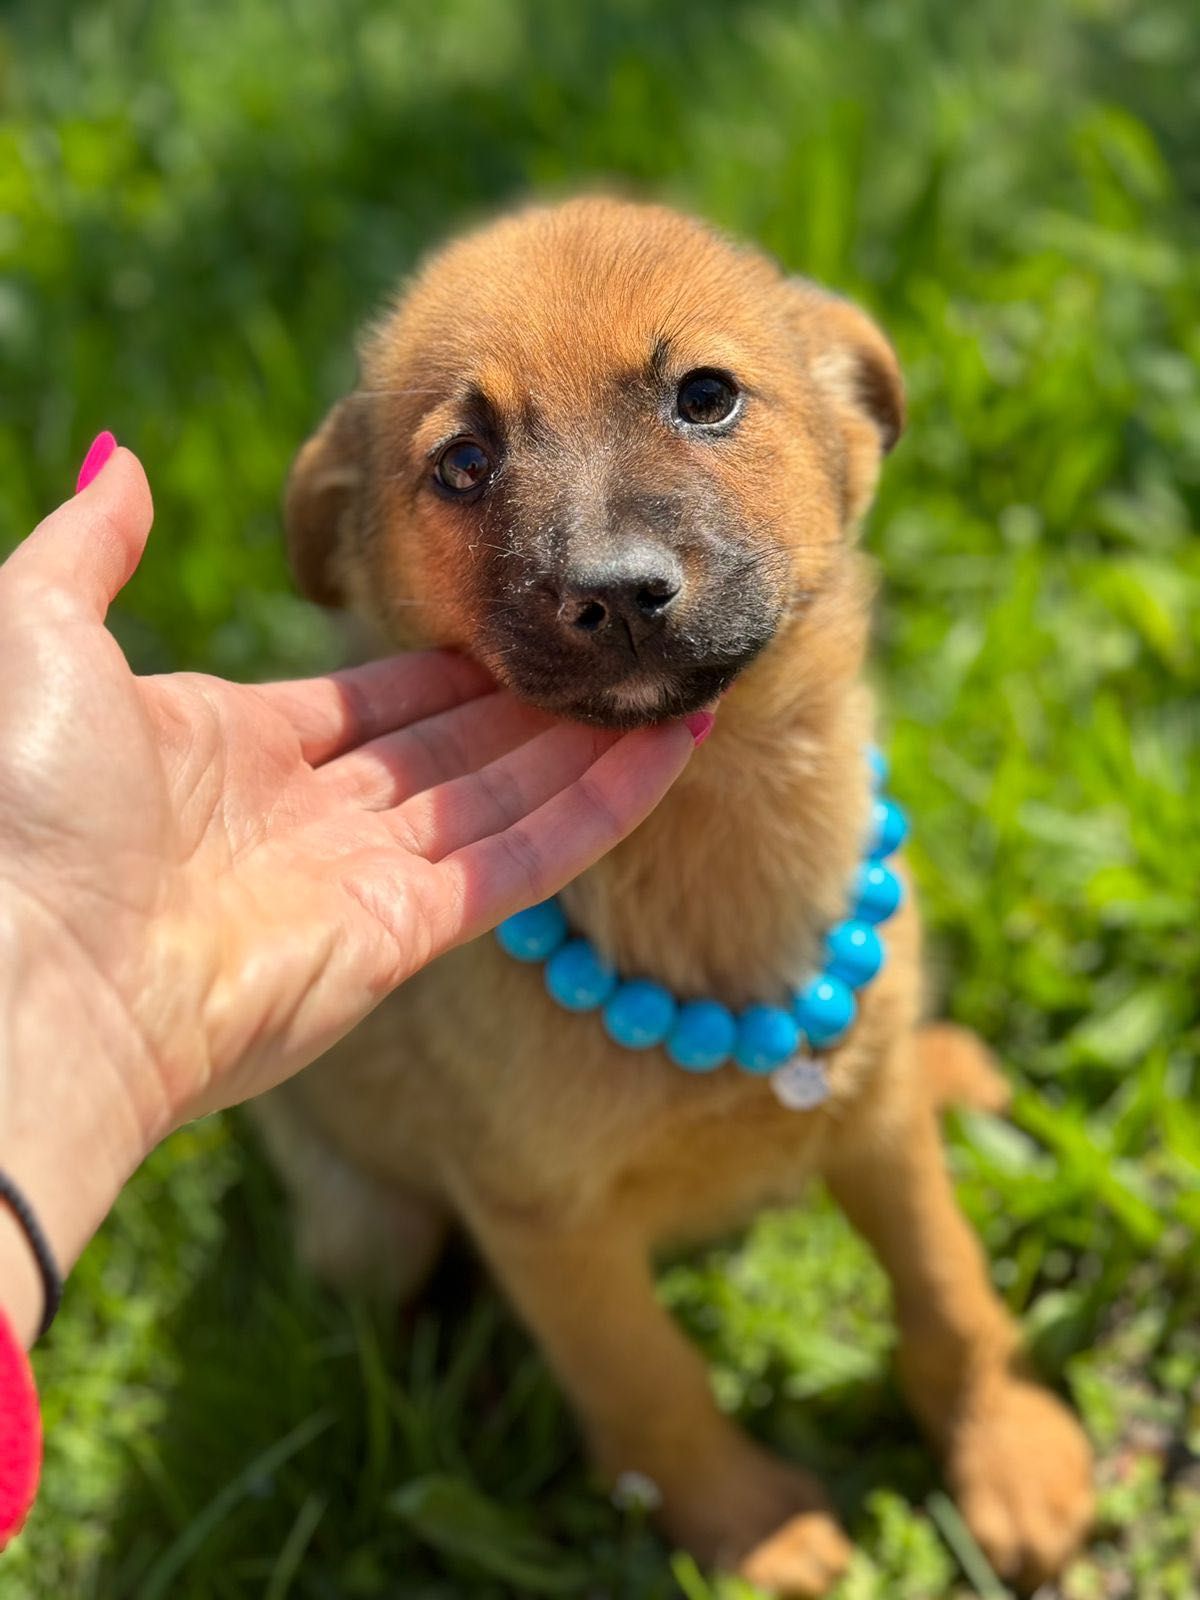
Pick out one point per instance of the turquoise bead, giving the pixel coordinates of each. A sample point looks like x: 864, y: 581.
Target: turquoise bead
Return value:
x: 854, y: 953
x: 534, y: 935
x: 825, y: 1009
x: 877, y: 892
x: 703, y: 1036
x: 889, y: 828
x: 639, y: 1014
x: 877, y: 762
x: 767, y: 1036
x: 577, y: 978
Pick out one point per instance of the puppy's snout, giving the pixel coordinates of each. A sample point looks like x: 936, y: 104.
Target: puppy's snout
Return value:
x: 627, y: 595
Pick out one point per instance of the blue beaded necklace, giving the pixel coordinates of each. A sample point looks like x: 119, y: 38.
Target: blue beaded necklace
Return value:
x: 780, y: 1042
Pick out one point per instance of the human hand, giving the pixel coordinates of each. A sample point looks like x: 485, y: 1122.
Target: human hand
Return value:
x: 204, y: 884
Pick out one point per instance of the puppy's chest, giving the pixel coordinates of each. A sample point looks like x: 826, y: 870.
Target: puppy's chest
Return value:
x: 554, y: 1121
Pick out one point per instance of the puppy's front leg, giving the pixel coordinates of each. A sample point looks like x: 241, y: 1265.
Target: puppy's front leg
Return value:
x: 643, y: 1394
x: 1017, y: 1460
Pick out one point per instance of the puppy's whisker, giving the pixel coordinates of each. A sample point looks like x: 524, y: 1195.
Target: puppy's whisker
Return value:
x: 503, y: 550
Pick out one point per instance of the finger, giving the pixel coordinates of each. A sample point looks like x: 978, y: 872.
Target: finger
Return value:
x: 90, y: 547
x: 341, y: 710
x: 535, y: 857
x: 438, y: 821
x: 387, y: 771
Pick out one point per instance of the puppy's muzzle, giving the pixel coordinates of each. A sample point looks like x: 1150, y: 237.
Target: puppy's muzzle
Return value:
x: 619, y: 603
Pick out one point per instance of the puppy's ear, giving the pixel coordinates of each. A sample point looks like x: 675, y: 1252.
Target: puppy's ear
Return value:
x: 856, y: 369
x: 323, y: 496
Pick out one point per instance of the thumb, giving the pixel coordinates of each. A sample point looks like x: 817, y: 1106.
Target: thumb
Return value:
x: 90, y: 547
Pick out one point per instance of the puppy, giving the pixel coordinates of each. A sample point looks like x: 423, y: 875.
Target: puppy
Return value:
x: 621, y: 461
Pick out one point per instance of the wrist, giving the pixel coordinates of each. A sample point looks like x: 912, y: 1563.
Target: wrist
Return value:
x: 70, y: 1133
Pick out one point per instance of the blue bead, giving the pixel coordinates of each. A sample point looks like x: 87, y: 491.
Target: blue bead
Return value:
x: 877, y: 892
x: 855, y: 953
x: 878, y: 764
x: 535, y: 934
x: 889, y: 828
x: 767, y: 1036
x: 639, y: 1014
x: 577, y: 978
x: 825, y: 1009
x: 703, y: 1036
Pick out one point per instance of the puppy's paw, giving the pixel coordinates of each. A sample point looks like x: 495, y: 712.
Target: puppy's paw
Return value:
x: 802, y: 1559
x: 1020, y: 1467
x: 745, y: 1510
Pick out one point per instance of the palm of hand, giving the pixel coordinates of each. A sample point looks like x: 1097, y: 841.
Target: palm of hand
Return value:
x: 186, y: 836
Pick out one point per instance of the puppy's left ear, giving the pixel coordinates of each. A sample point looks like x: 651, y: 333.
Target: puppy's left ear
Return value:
x: 855, y: 369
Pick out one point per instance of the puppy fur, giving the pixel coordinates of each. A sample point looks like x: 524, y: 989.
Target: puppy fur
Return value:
x: 469, y: 1097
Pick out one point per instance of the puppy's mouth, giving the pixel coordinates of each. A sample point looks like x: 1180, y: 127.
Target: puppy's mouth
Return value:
x: 637, y: 700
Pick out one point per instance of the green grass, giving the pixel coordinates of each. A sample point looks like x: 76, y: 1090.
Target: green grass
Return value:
x: 199, y: 200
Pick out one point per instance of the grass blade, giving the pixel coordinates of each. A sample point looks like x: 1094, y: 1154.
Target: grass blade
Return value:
x: 975, y: 1565
x: 287, y: 1563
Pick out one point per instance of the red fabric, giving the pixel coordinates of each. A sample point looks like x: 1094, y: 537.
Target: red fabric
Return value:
x: 20, y: 1435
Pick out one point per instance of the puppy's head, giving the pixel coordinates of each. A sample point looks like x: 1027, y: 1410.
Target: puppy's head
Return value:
x: 602, y: 450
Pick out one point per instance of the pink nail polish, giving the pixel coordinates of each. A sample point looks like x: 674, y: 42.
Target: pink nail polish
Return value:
x: 100, y: 449
x: 700, y: 724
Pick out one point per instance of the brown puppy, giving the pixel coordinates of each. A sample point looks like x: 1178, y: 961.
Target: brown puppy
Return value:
x: 621, y: 461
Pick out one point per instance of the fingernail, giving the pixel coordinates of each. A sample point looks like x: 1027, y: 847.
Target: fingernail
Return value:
x: 101, y: 447
x: 700, y: 724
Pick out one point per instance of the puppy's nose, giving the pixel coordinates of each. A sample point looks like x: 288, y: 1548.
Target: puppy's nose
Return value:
x: 629, y: 594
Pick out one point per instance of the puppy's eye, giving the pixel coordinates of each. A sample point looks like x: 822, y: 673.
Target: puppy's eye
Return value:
x: 706, y: 398
x: 463, y: 466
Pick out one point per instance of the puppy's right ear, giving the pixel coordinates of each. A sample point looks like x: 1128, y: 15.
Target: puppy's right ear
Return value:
x: 322, y: 499
x: 856, y: 369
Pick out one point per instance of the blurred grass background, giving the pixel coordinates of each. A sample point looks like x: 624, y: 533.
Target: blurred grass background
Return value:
x: 200, y: 200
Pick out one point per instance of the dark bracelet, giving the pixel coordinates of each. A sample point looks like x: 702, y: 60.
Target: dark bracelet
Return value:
x: 47, y: 1266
